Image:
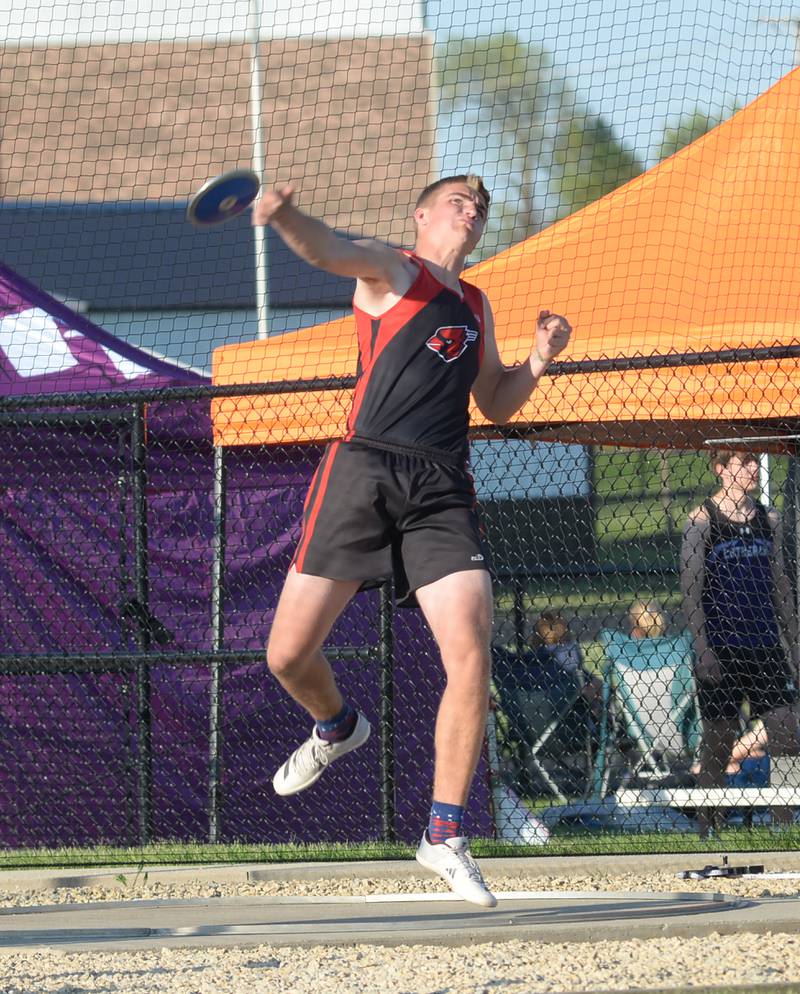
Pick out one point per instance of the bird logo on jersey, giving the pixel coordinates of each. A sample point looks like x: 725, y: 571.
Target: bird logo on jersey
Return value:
x: 451, y: 342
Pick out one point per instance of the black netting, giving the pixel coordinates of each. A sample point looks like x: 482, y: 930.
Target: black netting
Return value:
x: 142, y: 567
x: 168, y: 392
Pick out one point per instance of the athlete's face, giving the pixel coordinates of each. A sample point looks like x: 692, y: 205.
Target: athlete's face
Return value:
x: 740, y: 474
x: 454, y: 210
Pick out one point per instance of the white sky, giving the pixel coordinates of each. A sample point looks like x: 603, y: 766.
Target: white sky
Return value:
x: 640, y: 63
x: 47, y: 22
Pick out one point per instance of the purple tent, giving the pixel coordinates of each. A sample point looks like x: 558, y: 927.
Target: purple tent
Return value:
x: 70, y: 732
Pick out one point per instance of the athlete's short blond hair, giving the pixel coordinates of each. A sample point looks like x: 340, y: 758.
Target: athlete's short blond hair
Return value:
x: 472, y: 181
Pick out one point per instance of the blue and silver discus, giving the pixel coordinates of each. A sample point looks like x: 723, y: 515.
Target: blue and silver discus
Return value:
x: 223, y: 198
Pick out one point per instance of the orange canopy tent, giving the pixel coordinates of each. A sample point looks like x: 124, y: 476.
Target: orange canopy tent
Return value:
x: 698, y: 255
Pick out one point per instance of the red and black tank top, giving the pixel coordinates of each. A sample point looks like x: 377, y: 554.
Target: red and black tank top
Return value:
x: 416, y: 366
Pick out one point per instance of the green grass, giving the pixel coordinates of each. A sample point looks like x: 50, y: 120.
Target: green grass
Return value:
x: 638, y: 519
x: 178, y: 853
x: 583, y: 843
x: 640, y: 472
x: 611, y: 594
x: 567, y: 843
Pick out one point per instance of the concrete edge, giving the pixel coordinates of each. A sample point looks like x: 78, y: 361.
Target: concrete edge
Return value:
x: 563, y: 934
x: 225, y: 873
x: 465, y: 934
x: 426, y: 897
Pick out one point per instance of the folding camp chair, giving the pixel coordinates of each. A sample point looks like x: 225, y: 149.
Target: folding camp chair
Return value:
x: 649, y: 700
x: 547, y: 726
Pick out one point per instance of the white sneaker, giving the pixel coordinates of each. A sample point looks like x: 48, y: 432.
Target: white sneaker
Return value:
x: 307, y: 763
x: 453, y: 862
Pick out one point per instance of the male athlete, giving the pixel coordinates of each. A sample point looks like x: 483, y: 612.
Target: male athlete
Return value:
x: 394, y: 496
x: 739, y: 607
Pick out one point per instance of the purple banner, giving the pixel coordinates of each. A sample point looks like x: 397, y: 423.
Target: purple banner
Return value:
x: 68, y: 748
x: 45, y: 347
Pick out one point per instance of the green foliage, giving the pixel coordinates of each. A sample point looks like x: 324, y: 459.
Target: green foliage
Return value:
x: 509, y: 71
x: 691, y: 126
x: 591, y: 162
x: 509, y: 99
x: 645, y: 472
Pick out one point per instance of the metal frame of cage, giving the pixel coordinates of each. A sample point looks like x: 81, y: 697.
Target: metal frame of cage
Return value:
x: 132, y: 415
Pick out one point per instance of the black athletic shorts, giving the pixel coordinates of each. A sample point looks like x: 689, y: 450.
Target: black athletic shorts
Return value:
x: 372, y: 513
x: 760, y: 674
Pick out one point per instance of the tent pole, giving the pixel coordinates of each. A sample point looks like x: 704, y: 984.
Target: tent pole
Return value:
x: 519, y: 613
x: 794, y: 469
x: 791, y: 517
x: 124, y: 491
x: 217, y: 642
x: 763, y: 477
x: 259, y: 233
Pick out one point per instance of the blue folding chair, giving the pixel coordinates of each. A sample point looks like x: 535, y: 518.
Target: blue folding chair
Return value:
x: 650, y: 700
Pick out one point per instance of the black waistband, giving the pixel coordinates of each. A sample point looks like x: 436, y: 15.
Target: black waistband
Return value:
x: 456, y: 459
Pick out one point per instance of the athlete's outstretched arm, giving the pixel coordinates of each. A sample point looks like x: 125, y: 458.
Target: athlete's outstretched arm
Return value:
x: 500, y: 391
x: 320, y: 246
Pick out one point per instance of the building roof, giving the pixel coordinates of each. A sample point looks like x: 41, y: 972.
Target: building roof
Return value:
x: 143, y: 256
x: 348, y: 121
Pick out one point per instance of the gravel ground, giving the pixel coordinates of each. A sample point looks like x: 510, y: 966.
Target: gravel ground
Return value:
x: 512, y: 967
x: 658, y: 881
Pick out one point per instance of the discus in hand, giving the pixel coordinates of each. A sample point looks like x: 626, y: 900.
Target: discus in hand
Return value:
x: 223, y: 198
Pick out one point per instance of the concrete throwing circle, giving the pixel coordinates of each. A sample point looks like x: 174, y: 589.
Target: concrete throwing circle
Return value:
x: 379, y: 919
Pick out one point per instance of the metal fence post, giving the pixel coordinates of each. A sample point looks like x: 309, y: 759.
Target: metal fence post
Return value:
x: 386, y: 660
x: 124, y: 493
x: 144, y: 752
x: 218, y: 638
x: 794, y: 497
x: 518, y: 583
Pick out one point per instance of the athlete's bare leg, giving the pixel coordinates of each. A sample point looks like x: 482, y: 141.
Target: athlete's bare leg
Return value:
x: 458, y: 609
x: 307, y: 609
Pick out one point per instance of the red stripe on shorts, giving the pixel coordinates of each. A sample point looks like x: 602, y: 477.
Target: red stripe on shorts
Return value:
x: 316, y: 495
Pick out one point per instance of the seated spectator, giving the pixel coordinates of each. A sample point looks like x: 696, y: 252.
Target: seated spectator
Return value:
x: 749, y: 765
x: 646, y: 620
x: 553, y: 641
x: 546, y: 682
x: 749, y: 762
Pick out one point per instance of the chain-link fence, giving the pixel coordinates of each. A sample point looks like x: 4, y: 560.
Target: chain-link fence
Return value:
x: 148, y: 517
x: 141, y: 569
